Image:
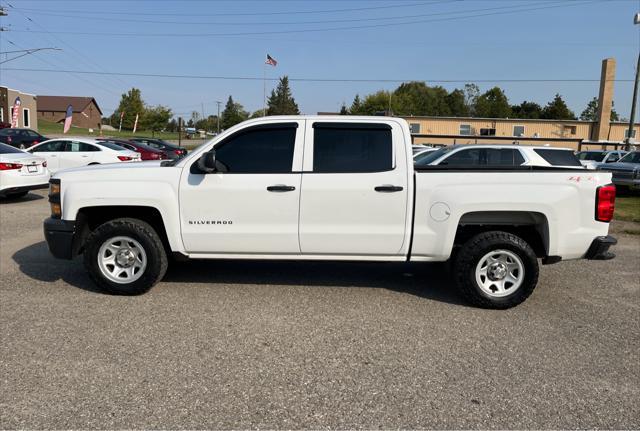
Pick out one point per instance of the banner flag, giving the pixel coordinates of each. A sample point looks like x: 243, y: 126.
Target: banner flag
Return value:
x: 68, y: 119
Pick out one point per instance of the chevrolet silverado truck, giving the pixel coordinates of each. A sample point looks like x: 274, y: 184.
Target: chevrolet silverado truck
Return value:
x: 328, y: 188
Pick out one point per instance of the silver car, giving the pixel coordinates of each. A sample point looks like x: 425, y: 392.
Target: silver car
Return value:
x: 626, y: 172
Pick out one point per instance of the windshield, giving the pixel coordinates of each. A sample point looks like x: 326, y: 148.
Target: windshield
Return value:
x: 430, y: 156
x: 633, y: 157
x: 112, y: 146
x: 8, y: 149
x: 596, y: 156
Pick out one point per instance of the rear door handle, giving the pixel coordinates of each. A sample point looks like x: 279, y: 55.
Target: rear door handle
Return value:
x: 281, y: 188
x: 387, y: 188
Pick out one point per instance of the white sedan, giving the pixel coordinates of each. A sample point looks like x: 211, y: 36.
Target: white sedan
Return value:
x: 21, y: 172
x: 67, y: 153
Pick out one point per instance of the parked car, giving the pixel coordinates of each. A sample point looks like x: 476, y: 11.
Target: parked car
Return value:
x: 73, y: 152
x: 172, y: 151
x: 146, y: 152
x: 591, y: 158
x: 20, y: 138
x: 355, y: 196
x: 500, y: 155
x: 420, y: 148
x: 21, y: 172
x: 625, y: 172
x: 422, y: 154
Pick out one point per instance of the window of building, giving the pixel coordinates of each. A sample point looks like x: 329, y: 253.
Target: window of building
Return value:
x: 352, y: 148
x: 626, y: 133
x: 487, y: 132
x: 465, y: 129
x: 518, y: 130
x: 415, y: 127
x: 258, y: 150
x: 572, y: 129
x: 1, y: 114
x: 26, y: 117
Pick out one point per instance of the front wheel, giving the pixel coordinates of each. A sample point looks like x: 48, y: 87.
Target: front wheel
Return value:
x: 496, y: 270
x: 125, y: 256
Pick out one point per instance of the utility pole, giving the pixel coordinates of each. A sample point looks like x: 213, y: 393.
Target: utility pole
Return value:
x: 180, y: 131
x: 634, y: 98
x: 218, y: 103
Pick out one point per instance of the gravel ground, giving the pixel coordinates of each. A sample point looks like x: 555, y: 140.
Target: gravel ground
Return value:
x: 311, y: 345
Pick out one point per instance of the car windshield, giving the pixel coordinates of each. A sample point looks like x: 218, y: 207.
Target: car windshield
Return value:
x: 429, y: 157
x: 596, y: 156
x: 111, y: 145
x: 8, y: 149
x: 633, y: 157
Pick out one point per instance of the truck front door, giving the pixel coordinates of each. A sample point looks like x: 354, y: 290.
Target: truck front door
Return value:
x: 251, y: 204
x: 355, y: 189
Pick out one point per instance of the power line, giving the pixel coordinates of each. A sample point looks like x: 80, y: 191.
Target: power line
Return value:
x: 359, y: 9
x: 253, y: 33
x: 256, y: 78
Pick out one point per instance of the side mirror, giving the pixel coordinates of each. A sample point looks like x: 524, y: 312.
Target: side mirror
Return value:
x: 207, y: 162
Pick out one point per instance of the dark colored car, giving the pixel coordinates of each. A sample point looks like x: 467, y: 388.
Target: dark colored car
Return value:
x: 146, y: 152
x: 21, y: 138
x: 172, y: 151
x: 625, y: 172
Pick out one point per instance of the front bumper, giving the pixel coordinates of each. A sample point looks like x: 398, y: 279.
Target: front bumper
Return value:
x: 59, y: 235
x: 599, y: 249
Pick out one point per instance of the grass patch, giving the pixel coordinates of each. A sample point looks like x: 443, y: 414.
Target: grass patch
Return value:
x: 50, y: 128
x: 628, y: 209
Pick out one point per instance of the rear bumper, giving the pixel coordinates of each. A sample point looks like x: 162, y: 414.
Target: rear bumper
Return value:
x: 10, y: 190
x: 599, y: 249
x: 59, y: 235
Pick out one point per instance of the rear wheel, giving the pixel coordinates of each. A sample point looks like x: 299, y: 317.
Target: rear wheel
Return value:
x: 496, y: 270
x: 125, y: 256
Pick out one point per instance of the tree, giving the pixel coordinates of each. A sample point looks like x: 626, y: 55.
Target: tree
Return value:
x: 281, y: 101
x: 344, y: 110
x: 557, y: 109
x: 376, y: 103
x: 471, y: 94
x: 590, y: 113
x: 417, y: 98
x: 526, y: 110
x: 155, y: 118
x: 493, y: 104
x: 356, y: 106
x: 131, y: 104
x: 456, y: 102
x: 233, y: 114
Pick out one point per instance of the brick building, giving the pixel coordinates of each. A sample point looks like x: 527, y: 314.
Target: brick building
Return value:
x: 28, y: 107
x: 86, y: 112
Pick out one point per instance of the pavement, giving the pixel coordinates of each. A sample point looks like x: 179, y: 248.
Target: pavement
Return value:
x: 243, y: 344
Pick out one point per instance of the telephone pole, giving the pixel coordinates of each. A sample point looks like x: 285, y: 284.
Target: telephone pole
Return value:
x: 634, y: 98
x: 218, y: 103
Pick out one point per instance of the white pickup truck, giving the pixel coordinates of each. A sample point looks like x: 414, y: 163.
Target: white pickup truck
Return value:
x: 328, y: 188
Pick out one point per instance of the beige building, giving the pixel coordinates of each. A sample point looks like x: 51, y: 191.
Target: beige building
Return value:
x: 564, y: 133
x: 28, y: 107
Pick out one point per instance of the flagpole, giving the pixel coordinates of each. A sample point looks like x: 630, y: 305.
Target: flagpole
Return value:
x: 264, y: 89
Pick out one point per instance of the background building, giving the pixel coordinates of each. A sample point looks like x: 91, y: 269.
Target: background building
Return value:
x: 86, y: 112
x: 28, y: 107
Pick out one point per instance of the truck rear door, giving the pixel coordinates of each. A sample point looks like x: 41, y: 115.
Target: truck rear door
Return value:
x: 355, y: 189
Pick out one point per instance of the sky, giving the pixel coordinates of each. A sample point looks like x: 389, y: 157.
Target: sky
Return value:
x: 369, y: 45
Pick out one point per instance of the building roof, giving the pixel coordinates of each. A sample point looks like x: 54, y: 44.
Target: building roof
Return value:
x: 513, y: 120
x: 60, y: 103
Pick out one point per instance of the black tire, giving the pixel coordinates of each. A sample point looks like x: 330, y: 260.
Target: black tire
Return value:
x: 472, y: 251
x: 149, y: 240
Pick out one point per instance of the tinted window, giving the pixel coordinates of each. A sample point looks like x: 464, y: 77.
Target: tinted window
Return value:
x: 112, y: 146
x: 633, y: 157
x: 80, y: 147
x: 597, y: 156
x: 465, y: 157
x: 259, y: 150
x: 32, y: 134
x: 353, y: 148
x: 558, y: 157
x: 430, y: 157
x: 503, y: 157
x: 50, y: 147
x: 8, y: 149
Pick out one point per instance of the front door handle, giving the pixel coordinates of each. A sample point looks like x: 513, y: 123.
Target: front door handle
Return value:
x: 387, y: 188
x: 280, y: 188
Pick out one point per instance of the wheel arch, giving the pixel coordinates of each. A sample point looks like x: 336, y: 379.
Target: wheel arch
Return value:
x: 531, y: 226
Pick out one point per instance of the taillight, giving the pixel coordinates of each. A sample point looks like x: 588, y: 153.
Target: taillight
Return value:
x: 125, y: 158
x: 180, y: 152
x: 605, y: 202
x: 9, y: 166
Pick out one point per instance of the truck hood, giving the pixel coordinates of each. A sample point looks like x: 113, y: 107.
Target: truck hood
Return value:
x: 121, y: 173
x: 104, y: 168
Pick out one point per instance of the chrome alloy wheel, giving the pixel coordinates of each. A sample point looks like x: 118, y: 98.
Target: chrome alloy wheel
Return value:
x: 122, y: 259
x: 499, y: 273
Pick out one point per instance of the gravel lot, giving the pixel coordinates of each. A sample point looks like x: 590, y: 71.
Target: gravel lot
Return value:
x: 311, y: 345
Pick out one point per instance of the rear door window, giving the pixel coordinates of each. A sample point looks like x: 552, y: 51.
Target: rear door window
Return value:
x: 558, y: 157
x: 465, y: 157
x: 503, y: 157
x: 50, y: 147
x: 344, y: 147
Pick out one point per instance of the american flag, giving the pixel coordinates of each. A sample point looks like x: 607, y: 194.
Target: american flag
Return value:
x: 272, y: 61
x: 67, y: 119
